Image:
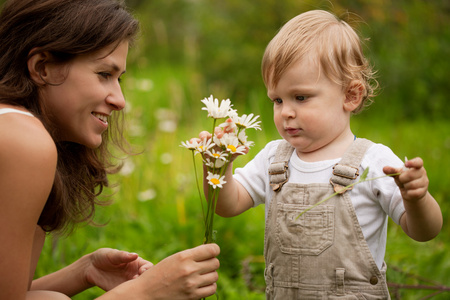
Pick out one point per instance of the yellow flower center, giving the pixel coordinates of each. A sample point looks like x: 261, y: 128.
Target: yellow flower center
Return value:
x: 232, y: 148
x: 216, y: 155
x: 215, y: 181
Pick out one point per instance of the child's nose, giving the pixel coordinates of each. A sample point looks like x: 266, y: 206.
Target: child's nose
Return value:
x: 287, y: 111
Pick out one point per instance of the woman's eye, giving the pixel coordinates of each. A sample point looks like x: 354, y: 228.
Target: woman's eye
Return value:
x: 300, y: 98
x: 105, y: 75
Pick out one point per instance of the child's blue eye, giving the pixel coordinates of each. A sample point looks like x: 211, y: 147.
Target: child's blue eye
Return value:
x: 277, y: 101
x: 300, y: 98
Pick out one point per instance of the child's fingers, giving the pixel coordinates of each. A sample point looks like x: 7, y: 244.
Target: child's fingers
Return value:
x: 205, y: 135
x: 415, y: 163
x: 391, y: 170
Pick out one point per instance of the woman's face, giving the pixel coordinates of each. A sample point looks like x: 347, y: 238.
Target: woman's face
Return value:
x: 81, y: 106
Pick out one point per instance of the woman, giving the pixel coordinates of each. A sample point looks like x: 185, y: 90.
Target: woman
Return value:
x: 60, y: 100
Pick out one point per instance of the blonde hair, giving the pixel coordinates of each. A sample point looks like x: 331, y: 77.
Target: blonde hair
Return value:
x: 336, y: 45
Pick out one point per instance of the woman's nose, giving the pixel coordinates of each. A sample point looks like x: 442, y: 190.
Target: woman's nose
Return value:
x: 116, y: 99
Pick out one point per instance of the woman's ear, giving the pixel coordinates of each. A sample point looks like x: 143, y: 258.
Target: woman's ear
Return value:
x: 37, y: 67
x: 43, y: 71
x: 354, y: 95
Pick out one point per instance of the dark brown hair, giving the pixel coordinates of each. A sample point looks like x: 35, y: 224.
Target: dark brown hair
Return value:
x: 65, y: 29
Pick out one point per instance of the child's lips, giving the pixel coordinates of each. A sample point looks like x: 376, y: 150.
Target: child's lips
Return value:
x: 292, y: 131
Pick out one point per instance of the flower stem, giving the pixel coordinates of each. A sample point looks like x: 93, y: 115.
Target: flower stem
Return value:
x: 198, y: 186
x: 362, y: 179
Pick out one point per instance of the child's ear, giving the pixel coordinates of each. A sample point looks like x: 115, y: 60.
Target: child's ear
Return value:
x: 41, y: 70
x: 353, y: 95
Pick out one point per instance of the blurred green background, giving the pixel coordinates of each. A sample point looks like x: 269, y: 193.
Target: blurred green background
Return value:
x: 190, y: 49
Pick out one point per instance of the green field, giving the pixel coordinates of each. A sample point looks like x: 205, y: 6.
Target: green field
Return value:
x: 157, y: 212
x: 180, y: 60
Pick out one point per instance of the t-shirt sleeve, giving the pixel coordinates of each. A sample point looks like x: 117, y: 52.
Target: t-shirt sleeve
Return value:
x: 254, y: 175
x: 384, y: 189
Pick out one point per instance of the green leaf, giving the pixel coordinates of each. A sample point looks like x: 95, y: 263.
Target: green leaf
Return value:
x: 364, y: 174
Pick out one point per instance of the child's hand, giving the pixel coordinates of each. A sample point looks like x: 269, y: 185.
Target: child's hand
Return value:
x: 218, y: 133
x: 412, y: 181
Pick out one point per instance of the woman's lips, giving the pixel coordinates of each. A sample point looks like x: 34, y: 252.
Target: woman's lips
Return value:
x: 103, y: 118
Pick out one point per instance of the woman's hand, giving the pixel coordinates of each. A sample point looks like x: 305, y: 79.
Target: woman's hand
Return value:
x: 189, y: 274
x: 110, y: 267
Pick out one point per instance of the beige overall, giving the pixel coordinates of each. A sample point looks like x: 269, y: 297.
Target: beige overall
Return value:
x: 322, y: 254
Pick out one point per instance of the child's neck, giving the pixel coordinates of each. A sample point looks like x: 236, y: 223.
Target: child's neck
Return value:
x: 334, y: 149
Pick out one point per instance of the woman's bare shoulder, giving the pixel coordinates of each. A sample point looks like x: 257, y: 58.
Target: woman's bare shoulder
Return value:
x: 28, y: 157
x: 23, y: 136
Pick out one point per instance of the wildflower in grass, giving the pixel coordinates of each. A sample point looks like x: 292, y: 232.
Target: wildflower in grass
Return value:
x: 127, y: 167
x: 215, y: 180
x: 215, y: 110
x: 245, y: 122
x: 166, y: 158
x: 146, y: 195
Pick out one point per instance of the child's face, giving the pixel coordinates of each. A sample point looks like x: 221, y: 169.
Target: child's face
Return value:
x: 309, y: 110
x: 82, y: 104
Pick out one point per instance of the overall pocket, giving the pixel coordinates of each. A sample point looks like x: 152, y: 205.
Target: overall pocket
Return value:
x: 309, y: 234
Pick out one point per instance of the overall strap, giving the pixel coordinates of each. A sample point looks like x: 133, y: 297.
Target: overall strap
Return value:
x: 347, y: 169
x: 278, y: 169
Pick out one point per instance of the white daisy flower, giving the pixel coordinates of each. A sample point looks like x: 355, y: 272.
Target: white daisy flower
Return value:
x: 147, y: 195
x: 215, y: 110
x: 228, y: 126
x: 192, y: 144
x: 214, y: 163
x: 242, y: 137
x: 223, y: 141
x: 204, y: 146
x: 215, y: 180
x: 247, y: 121
x: 232, y: 113
x: 231, y: 144
x: 219, y: 155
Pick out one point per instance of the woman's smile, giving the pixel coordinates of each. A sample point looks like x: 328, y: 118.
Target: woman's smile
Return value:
x: 102, y: 117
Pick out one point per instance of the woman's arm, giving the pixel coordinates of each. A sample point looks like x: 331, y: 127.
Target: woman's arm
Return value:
x: 190, y: 274
x: 28, y: 163
x: 105, y: 268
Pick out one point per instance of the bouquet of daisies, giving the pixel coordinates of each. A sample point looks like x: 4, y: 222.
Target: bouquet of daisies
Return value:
x: 217, y: 149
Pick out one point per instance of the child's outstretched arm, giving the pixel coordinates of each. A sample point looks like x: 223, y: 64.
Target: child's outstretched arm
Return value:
x: 233, y: 197
x: 422, y: 220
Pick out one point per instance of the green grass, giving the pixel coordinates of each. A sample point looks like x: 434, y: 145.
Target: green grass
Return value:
x: 156, y: 210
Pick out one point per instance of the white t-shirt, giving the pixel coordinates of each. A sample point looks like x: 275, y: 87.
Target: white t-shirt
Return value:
x: 373, y: 200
